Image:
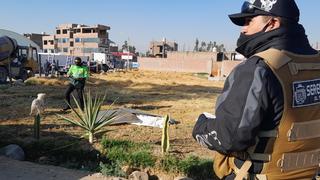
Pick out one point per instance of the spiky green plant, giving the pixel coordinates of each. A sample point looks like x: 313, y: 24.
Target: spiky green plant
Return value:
x: 88, y: 118
x: 165, y: 141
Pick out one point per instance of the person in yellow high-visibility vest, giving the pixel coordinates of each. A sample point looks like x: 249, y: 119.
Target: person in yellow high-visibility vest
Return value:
x: 78, y: 75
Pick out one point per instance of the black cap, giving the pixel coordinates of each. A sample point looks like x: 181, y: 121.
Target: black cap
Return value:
x: 280, y: 8
x: 77, y: 59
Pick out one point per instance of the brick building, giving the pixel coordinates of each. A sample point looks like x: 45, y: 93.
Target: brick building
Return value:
x: 36, y: 38
x: 160, y: 48
x: 78, y: 40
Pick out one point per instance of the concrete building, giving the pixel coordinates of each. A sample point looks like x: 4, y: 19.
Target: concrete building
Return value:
x: 78, y: 40
x: 160, y: 48
x: 113, y: 47
x: 49, y: 44
x: 36, y: 38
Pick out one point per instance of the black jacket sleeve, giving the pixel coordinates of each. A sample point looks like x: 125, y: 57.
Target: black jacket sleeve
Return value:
x: 246, y: 101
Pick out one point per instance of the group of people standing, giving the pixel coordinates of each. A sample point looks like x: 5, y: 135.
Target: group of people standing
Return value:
x: 51, y: 68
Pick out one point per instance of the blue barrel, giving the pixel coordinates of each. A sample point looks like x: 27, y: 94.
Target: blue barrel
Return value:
x: 7, y: 47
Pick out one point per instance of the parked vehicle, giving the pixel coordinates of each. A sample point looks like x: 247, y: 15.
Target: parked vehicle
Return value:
x: 102, y: 61
x: 61, y: 63
x: 17, y: 61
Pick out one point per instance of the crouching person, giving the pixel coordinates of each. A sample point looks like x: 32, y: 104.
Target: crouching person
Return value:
x: 78, y: 74
x: 267, y: 118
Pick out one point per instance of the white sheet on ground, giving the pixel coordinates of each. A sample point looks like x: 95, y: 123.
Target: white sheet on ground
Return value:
x: 137, y: 117
x: 154, y: 121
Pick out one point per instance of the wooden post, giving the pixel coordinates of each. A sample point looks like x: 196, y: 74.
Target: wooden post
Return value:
x: 36, y: 126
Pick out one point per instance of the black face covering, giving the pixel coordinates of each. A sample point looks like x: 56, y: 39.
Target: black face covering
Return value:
x: 243, y: 40
x: 78, y: 63
x: 291, y: 38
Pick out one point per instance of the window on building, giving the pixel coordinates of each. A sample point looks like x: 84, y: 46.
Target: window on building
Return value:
x: 71, y: 43
x: 52, y: 50
x: 45, y: 42
x: 102, y: 50
x: 65, y: 40
x: 77, y: 40
x: 103, y: 32
x: 71, y: 35
x: 58, y: 31
x: 90, y: 50
x: 86, y: 30
x: 220, y: 56
x: 91, y: 40
x: 45, y: 50
x: 65, y: 50
x: 78, y: 30
x: 51, y: 42
x: 103, y: 40
x: 64, y: 31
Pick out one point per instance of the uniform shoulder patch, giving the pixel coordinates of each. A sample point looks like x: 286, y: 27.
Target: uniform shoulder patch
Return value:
x: 306, y: 93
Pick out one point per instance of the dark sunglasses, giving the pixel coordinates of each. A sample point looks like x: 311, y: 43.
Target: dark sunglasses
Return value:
x: 249, y: 8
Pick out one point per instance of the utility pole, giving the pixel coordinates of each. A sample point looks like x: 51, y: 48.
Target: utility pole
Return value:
x: 164, y: 47
x: 128, y: 53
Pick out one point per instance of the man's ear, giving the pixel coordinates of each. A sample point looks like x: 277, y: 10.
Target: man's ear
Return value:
x: 274, y: 23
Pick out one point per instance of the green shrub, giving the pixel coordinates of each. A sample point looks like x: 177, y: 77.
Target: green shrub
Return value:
x: 141, y: 159
x: 125, y: 144
x: 106, y: 143
x: 128, y: 153
x: 117, y: 154
x: 169, y: 163
x: 192, y: 166
x: 188, y: 164
x: 196, y: 168
x: 112, y: 169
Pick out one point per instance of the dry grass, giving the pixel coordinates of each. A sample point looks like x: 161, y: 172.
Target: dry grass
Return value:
x: 183, y: 96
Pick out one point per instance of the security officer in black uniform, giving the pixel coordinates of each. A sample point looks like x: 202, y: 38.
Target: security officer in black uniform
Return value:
x: 263, y: 97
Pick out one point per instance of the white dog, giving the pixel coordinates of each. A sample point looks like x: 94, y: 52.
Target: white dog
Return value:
x: 38, y: 105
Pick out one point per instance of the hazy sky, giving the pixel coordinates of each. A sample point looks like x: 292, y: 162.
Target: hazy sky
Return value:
x: 141, y: 21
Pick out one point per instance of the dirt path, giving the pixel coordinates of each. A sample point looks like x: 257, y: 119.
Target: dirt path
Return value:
x: 16, y: 170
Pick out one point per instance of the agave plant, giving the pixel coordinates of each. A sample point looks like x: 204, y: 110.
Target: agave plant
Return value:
x: 88, y: 118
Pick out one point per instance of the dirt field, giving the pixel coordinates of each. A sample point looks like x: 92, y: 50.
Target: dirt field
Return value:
x: 183, y: 96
